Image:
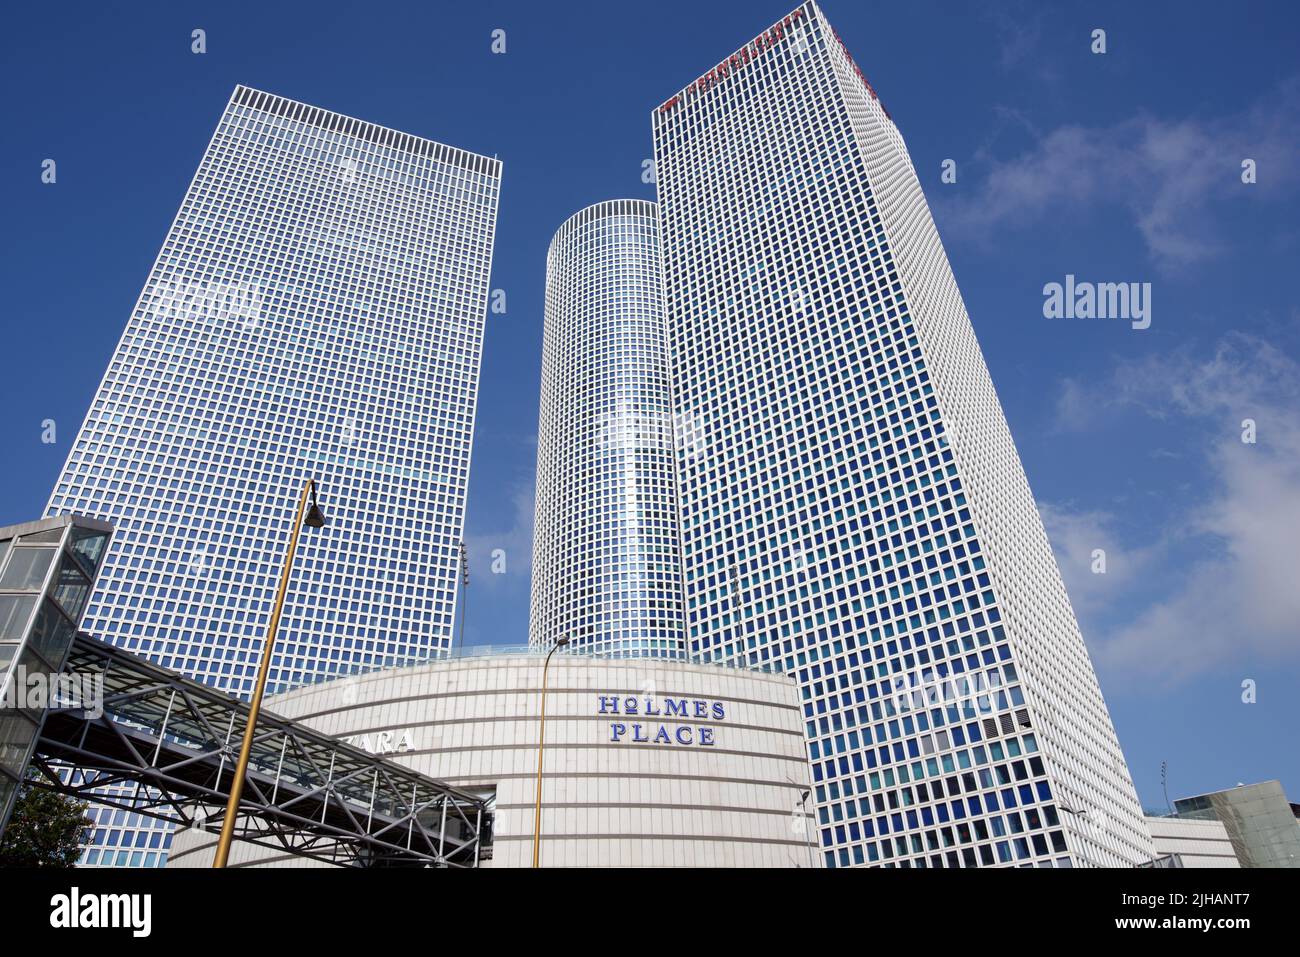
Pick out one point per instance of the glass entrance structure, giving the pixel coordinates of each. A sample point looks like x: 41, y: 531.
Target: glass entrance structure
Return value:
x: 47, y: 571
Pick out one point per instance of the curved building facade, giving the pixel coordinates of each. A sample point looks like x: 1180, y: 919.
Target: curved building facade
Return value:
x: 606, y: 570
x: 648, y: 762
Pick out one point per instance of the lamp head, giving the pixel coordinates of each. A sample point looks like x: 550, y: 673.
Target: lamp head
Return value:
x: 315, y: 517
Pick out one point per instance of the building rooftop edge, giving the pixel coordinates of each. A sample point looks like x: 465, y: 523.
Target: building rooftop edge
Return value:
x: 54, y: 521
x: 518, y: 652
x: 364, y: 124
x: 795, y: 13
x: 572, y: 219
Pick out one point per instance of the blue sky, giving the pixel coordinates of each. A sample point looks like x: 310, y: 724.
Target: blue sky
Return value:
x: 1122, y: 167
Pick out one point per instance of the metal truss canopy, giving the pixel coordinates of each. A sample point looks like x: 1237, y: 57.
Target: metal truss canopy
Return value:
x: 306, y: 793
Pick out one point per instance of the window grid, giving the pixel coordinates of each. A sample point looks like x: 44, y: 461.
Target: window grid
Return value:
x: 316, y: 311
x: 859, y: 478
x: 606, y: 570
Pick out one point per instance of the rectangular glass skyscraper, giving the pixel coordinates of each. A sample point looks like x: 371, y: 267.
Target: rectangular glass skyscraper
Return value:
x: 316, y: 311
x: 859, y: 515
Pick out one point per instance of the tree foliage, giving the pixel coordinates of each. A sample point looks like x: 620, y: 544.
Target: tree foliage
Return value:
x: 45, y: 830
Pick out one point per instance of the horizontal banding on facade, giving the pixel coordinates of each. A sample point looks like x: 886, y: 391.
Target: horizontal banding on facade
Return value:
x: 605, y: 801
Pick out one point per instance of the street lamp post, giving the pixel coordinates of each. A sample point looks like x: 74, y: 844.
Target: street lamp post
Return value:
x: 803, y: 806
x: 314, y: 519
x: 541, y: 746
x: 464, y: 592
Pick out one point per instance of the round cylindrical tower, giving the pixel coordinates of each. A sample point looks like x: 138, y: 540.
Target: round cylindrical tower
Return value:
x: 606, y: 560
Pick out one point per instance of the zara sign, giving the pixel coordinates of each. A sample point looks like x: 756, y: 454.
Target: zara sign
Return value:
x: 648, y: 720
x: 384, y: 742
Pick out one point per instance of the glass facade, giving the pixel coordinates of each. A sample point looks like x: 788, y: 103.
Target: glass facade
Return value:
x: 859, y: 516
x: 47, y: 569
x: 316, y: 311
x: 605, y: 543
x: 1262, y: 825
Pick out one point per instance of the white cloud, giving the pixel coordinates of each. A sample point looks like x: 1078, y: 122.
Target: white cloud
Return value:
x: 1244, y: 374
x: 1168, y: 174
x: 1019, y: 30
x: 510, y: 543
x: 1075, y: 536
x: 1241, y: 599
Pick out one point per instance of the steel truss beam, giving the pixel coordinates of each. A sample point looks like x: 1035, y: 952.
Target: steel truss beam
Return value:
x: 306, y: 793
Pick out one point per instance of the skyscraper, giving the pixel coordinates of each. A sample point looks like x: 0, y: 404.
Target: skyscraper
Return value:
x: 605, y: 543
x: 859, y: 515
x: 316, y: 311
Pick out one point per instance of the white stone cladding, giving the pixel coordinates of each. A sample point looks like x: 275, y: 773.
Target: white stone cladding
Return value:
x: 472, y: 723
x: 1198, y: 843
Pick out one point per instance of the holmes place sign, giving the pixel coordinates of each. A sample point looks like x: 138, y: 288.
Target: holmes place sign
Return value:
x: 647, y: 720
